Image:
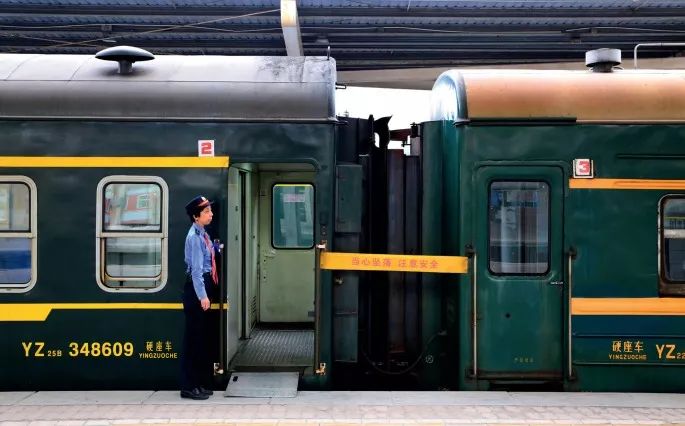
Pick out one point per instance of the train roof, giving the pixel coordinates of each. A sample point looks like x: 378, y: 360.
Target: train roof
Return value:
x: 633, y: 96
x: 168, y: 88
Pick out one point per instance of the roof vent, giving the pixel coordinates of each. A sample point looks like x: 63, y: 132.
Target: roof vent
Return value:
x: 126, y: 56
x: 602, y: 60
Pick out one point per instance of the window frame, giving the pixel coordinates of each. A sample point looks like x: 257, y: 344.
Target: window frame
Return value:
x: 101, y: 235
x: 549, y: 229
x: 310, y: 184
x: 667, y: 287
x: 32, y: 233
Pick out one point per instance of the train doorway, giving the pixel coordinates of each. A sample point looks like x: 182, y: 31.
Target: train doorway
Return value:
x: 273, y: 229
x: 520, y: 284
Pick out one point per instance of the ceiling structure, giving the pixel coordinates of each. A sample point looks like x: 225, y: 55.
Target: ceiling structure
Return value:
x: 359, y: 34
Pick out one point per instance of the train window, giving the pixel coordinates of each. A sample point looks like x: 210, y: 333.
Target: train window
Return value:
x: 673, y: 240
x: 18, y: 236
x: 293, y: 216
x: 132, y: 207
x: 519, y: 228
x: 132, y: 233
x: 133, y: 257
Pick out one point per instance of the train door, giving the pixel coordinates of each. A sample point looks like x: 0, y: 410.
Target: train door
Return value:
x: 286, y: 247
x: 277, y: 302
x: 236, y: 259
x: 519, y: 270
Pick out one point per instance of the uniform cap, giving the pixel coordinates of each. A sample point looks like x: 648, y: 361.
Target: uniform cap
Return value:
x: 197, y: 204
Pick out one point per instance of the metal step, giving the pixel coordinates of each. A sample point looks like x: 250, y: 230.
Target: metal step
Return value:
x: 275, y: 348
x: 263, y: 385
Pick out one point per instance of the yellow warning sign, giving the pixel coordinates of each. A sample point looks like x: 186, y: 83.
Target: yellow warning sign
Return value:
x: 394, y: 262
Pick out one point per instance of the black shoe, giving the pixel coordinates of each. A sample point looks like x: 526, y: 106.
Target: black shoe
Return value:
x: 193, y: 394
x: 206, y: 391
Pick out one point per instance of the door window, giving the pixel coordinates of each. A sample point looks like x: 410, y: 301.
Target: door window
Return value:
x: 518, y: 227
x: 293, y: 216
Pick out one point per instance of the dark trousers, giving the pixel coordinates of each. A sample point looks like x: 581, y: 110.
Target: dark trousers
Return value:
x: 196, y: 365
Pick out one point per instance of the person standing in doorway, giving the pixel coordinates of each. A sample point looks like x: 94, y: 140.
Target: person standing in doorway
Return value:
x: 201, y: 277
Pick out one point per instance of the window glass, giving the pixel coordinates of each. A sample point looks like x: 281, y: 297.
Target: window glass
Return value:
x: 14, y: 207
x: 132, y: 207
x: 132, y: 233
x: 674, y: 239
x: 293, y: 216
x: 133, y: 257
x: 519, y: 227
x: 15, y: 260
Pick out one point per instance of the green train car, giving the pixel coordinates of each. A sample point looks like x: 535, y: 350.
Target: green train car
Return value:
x: 565, y: 190
x: 96, y: 165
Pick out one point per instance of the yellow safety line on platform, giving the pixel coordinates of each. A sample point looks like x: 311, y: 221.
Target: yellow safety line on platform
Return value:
x: 138, y: 162
x: 626, y: 184
x: 394, y: 262
x: 627, y: 306
x: 41, y: 311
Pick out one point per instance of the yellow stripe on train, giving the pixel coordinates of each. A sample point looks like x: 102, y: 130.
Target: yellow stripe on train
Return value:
x: 627, y: 306
x: 40, y: 311
x: 649, y: 184
x: 112, y: 162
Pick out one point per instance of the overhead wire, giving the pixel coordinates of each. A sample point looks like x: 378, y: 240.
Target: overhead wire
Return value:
x: 202, y: 25
x: 168, y: 28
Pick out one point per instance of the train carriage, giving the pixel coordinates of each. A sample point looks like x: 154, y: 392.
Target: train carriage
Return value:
x: 96, y: 164
x: 563, y: 189
x: 566, y: 190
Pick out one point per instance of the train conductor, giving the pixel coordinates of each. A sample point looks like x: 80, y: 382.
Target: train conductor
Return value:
x: 201, y: 277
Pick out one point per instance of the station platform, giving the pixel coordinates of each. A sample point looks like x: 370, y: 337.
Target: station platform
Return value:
x: 341, y: 409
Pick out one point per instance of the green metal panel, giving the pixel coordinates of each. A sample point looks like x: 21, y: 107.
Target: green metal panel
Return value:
x: 348, y: 218
x: 233, y: 262
x: 452, y: 246
x: 346, y: 319
x: 348, y: 209
x: 520, y: 322
x: 432, y: 289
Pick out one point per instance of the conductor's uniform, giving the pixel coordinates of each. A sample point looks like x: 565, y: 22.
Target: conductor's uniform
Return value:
x: 201, y: 279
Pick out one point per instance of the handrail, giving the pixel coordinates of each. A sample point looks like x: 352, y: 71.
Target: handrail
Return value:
x: 571, y: 257
x: 319, y: 368
x: 219, y: 366
x: 471, y: 254
x: 651, y: 44
x: 475, y: 317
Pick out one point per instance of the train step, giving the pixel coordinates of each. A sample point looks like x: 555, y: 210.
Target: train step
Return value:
x: 263, y: 384
x: 275, y: 348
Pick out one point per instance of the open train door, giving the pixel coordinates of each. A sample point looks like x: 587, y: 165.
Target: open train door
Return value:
x: 277, y: 310
x: 519, y: 288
